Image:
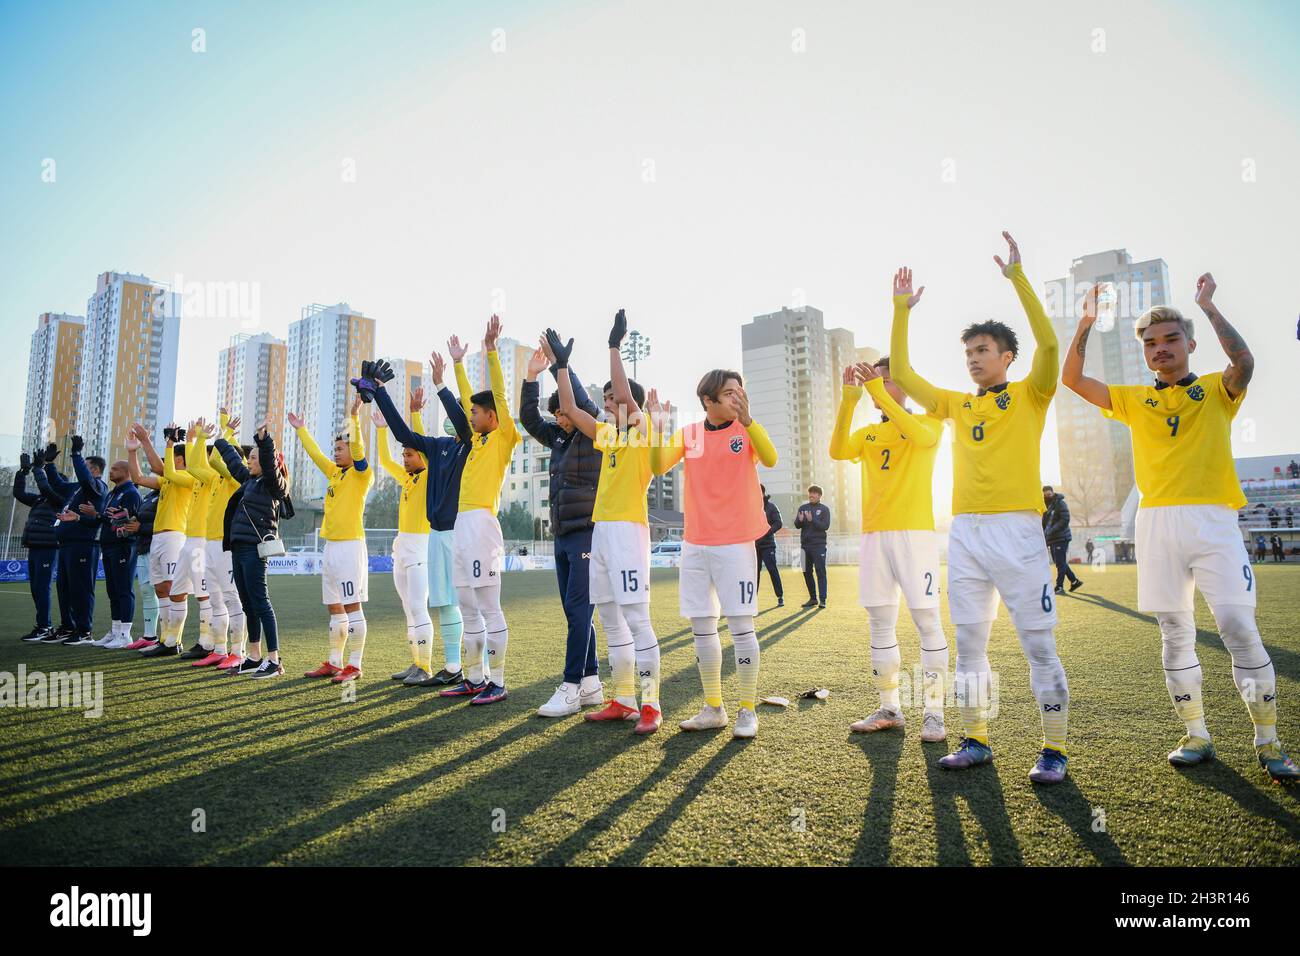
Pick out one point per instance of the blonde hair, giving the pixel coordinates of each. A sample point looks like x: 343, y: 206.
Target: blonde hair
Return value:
x: 1163, y: 313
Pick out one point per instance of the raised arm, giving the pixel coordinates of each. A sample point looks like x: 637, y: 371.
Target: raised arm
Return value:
x: 272, y: 478
x: 390, y: 415
x: 327, y: 466
x: 1045, y: 371
x: 91, y: 486
x: 1089, y: 389
x: 180, y: 477
x: 665, y: 450
x: 229, y: 461
x: 926, y: 432
x: 386, y: 460
x: 456, y: 349
x: 1241, y: 363
x: 764, y: 450
x: 196, y: 454
x: 20, y: 484
x: 617, y: 373
x: 357, y: 441
x: 900, y: 366
x: 846, y: 444
x: 146, y: 445
x: 530, y: 413
x: 133, y: 465
x: 581, y: 420
x: 497, y: 379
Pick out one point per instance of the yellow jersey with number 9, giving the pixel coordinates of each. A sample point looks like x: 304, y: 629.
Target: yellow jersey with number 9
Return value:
x: 1182, y: 441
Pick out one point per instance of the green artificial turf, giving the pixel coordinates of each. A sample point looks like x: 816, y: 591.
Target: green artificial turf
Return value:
x: 287, y: 771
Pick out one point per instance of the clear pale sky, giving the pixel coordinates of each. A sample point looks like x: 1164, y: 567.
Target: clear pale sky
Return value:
x: 677, y: 159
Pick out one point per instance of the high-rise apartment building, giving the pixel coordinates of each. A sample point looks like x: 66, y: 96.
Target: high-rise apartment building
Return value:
x: 53, y: 380
x: 128, y: 361
x: 251, y: 384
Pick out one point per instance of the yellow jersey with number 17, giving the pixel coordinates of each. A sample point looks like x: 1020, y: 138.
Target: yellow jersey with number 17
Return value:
x: 1182, y: 440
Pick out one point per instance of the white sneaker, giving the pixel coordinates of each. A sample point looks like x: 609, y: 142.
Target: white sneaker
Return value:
x: 105, y: 640
x: 709, y: 718
x: 590, y: 692
x: 932, y: 729
x: 119, y: 642
x: 562, y: 703
x: 746, y: 723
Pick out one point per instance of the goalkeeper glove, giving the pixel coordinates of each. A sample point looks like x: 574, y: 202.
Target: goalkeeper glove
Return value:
x: 618, y: 331
x: 560, y: 350
x: 78, y: 443
x: 382, y: 372
x: 24, y: 462
x: 51, y: 452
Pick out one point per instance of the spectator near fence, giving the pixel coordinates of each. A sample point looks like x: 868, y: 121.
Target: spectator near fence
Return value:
x: 41, y: 544
x: 766, y: 548
x: 1056, y: 532
x: 813, y: 520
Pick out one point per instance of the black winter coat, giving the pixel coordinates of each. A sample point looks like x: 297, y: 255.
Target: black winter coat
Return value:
x: 1056, y: 521
x: 38, y: 532
x: 575, y: 462
x: 254, y: 511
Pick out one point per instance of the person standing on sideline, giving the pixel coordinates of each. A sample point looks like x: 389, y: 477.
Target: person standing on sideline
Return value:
x: 1260, y: 549
x: 39, y: 540
x: 118, y: 551
x: 1088, y: 546
x: 1056, y: 531
x: 78, y: 535
x: 1278, y: 554
x: 766, y: 548
x: 813, y: 521
x: 574, y: 475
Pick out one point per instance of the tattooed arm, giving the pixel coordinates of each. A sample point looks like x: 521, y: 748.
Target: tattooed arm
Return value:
x: 1241, y: 364
x: 1089, y: 389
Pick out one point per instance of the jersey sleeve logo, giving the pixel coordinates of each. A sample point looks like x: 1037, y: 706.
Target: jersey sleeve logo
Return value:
x: 871, y: 437
x: 1003, y: 400
x: 737, y: 445
x: 965, y: 404
x: 1196, y: 393
x: 1151, y: 402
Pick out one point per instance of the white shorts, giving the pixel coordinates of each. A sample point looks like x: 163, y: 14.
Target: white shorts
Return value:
x: 1183, y: 547
x: 218, y: 571
x: 992, y: 555
x: 619, y: 570
x: 479, y: 549
x: 410, y: 550
x: 189, y: 567
x: 164, y: 554
x: 889, y: 561
x: 442, y: 558
x: 345, y: 572
x: 717, y: 576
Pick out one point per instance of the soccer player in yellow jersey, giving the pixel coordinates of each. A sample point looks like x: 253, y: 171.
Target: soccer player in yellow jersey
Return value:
x: 619, y: 572
x: 344, y: 566
x: 996, y: 545
x: 224, y: 639
x: 1187, y: 534
x: 899, y: 550
x: 192, y: 566
x: 175, y: 490
x: 480, y: 547
x: 411, y: 546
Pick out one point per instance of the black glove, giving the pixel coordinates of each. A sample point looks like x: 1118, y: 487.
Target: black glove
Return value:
x: 382, y: 372
x: 180, y: 436
x: 618, y: 331
x: 78, y: 443
x: 24, y: 462
x: 51, y: 452
x: 558, y: 349
x: 367, y: 369
x: 365, y: 386
x: 38, y: 458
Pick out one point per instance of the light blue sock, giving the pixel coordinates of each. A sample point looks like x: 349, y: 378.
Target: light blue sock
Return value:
x: 452, y: 626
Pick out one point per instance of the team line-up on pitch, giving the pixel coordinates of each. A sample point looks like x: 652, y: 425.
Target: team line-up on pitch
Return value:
x: 209, y: 524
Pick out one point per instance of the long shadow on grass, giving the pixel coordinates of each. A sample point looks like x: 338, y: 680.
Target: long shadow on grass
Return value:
x: 1246, y: 794
x: 981, y: 789
x: 882, y: 750
x: 677, y: 750
x: 1076, y: 811
x: 1285, y: 662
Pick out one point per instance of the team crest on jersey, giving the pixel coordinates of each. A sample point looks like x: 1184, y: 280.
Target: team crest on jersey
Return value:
x: 1003, y: 400
x: 737, y: 445
x: 482, y: 439
x: 1196, y: 393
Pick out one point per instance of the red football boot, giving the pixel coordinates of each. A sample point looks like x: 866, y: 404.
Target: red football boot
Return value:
x: 348, y: 673
x: 140, y: 644
x: 213, y: 658
x: 325, y: 670
x: 650, y: 720
x: 612, y: 711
